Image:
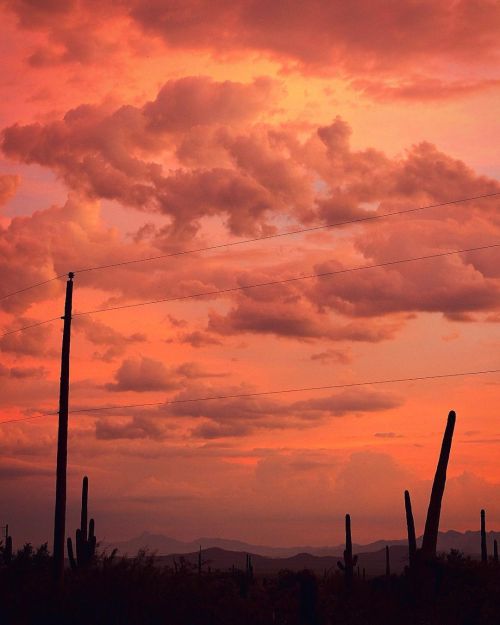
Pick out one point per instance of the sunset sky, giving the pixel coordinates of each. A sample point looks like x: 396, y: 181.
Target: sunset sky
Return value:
x: 140, y: 128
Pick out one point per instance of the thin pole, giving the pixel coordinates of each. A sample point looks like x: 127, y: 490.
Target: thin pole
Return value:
x: 62, y: 440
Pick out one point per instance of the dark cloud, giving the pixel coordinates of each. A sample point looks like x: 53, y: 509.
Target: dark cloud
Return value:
x: 21, y: 373
x: 139, y: 427
x: 387, y: 435
x: 199, y: 338
x: 299, y: 320
x: 359, y: 36
x: 143, y: 375
x: 339, y: 356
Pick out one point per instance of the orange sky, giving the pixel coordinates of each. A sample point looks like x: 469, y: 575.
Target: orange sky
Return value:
x: 136, y: 129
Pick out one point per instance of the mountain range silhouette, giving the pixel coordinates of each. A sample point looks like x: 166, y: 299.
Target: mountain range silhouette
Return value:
x: 221, y: 553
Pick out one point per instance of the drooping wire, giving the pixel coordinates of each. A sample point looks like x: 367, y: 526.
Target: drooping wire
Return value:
x: 263, y: 393
x: 325, y: 274
x: 356, y: 220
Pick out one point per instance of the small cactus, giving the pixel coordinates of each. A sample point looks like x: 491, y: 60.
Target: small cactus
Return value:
x: 249, y: 567
x: 349, y: 561
x: 484, y: 551
x: 85, y: 540
x: 7, y: 550
x: 410, y: 523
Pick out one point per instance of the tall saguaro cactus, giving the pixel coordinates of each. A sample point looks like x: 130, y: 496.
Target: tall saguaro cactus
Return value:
x: 85, y: 540
x: 349, y: 561
x: 495, y: 550
x: 387, y: 562
x: 429, y: 543
x: 484, y: 551
x: 410, y: 523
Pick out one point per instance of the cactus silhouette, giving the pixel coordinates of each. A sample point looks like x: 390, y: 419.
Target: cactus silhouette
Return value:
x: 349, y: 561
x: 495, y: 550
x: 387, y: 562
x: 249, y: 567
x: 7, y: 550
x: 85, y: 540
x: 484, y: 551
x: 410, y: 523
x: 429, y: 542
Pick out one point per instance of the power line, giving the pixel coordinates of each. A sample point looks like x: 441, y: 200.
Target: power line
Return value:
x: 288, y: 233
x: 325, y: 274
x: 33, y: 325
x: 263, y: 393
x: 356, y: 220
x: 32, y: 286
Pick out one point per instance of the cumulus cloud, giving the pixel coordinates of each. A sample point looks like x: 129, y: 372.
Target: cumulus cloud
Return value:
x: 299, y: 320
x: 139, y: 427
x: 99, y: 333
x: 8, y: 187
x: 147, y: 374
x: 268, y: 171
x: 240, y: 416
x: 143, y: 375
x: 359, y: 37
x: 32, y: 342
x: 197, y: 100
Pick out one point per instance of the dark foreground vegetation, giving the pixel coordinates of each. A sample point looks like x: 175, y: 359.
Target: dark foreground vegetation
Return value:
x: 455, y: 590
x: 100, y: 589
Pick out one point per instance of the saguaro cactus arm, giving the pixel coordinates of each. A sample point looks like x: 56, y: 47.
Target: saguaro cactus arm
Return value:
x: 429, y: 543
x: 484, y: 551
x: 71, y: 555
x: 410, y: 524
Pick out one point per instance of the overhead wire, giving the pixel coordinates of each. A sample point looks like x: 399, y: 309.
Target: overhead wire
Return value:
x: 325, y: 274
x: 32, y: 325
x: 263, y: 393
x: 356, y: 220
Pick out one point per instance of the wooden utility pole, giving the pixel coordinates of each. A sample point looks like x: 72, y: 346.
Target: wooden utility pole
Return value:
x: 62, y: 439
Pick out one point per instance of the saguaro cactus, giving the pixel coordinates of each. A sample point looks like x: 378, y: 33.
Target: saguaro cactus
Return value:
x: 410, y: 523
x: 387, y: 562
x: 349, y: 561
x: 85, y: 540
x: 495, y: 550
x: 484, y: 551
x: 249, y: 567
x: 429, y: 543
x: 7, y: 550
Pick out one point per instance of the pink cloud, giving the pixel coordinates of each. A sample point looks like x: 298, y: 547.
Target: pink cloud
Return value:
x: 8, y: 187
